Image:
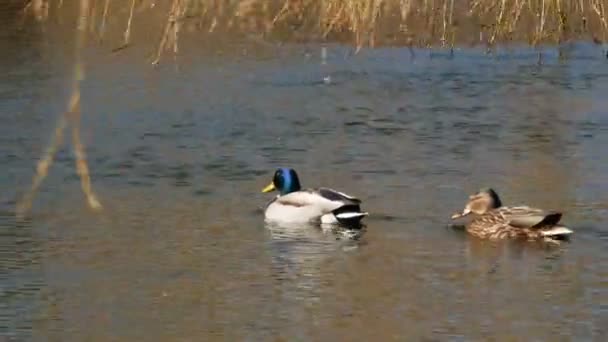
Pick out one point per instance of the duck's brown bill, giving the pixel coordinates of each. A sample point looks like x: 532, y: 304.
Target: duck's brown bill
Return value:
x: 465, y: 212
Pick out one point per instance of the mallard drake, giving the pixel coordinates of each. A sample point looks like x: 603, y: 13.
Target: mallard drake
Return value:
x: 322, y: 205
x: 493, y: 221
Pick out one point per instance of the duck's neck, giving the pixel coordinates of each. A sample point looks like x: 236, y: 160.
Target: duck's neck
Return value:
x: 292, y: 184
x: 289, y: 190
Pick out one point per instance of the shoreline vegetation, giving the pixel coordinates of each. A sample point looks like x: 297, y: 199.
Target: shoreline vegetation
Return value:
x: 361, y: 23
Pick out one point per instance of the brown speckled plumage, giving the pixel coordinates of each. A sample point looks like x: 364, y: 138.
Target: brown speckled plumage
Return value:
x: 493, y: 221
x: 496, y: 223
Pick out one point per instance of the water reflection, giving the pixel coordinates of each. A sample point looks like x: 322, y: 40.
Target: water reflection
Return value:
x: 304, y: 259
x: 298, y: 249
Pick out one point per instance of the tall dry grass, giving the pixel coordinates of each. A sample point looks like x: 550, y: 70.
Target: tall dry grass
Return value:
x: 362, y: 22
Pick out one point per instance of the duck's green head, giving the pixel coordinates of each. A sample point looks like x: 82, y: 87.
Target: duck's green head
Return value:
x: 285, y: 180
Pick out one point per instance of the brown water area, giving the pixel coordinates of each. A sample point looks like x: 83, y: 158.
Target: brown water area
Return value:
x: 178, y: 153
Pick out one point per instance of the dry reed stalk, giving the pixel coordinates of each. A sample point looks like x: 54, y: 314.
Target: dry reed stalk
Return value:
x: 72, y: 116
x: 405, y: 6
x: 333, y: 21
x: 445, y: 23
x: 82, y: 167
x: 92, y: 16
x: 38, y: 8
x: 170, y: 33
x: 42, y: 168
x: 372, y: 21
x: 102, y: 26
x: 519, y: 5
x: 541, y: 24
x: 127, y: 34
x: 451, y: 24
x: 282, y: 13
x: 499, y: 21
x: 431, y: 21
x: 600, y: 9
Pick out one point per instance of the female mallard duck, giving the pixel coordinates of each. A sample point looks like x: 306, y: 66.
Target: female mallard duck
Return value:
x: 320, y: 205
x: 493, y: 221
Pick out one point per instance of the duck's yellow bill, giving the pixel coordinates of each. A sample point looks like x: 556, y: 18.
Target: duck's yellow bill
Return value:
x: 269, y: 188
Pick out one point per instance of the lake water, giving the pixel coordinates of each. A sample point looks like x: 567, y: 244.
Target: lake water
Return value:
x: 179, y: 154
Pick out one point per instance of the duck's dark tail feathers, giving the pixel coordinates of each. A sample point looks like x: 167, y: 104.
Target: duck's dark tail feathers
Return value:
x: 349, y: 215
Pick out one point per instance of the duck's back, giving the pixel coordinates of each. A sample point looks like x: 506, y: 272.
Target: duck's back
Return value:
x: 514, y: 222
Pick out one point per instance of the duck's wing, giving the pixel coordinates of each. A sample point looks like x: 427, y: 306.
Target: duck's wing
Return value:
x: 337, y: 196
x: 527, y: 217
x: 310, y: 198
